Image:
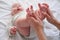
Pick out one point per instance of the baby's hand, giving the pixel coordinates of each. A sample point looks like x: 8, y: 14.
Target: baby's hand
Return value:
x: 13, y: 30
x: 16, y: 8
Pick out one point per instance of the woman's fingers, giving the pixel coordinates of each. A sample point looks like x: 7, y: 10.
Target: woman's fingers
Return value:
x: 35, y: 23
x: 41, y: 16
x: 40, y: 8
x: 45, y: 8
x: 32, y: 19
x: 46, y: 5
x: 46, y: 15
x: 49, y: 12
x: 50, y: 19
x: 36, y: 14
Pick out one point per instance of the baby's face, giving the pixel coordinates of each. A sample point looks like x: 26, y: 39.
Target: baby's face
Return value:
x: 16, y: 8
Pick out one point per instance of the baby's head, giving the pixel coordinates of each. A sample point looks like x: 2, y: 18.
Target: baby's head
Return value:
x: 16, y: 8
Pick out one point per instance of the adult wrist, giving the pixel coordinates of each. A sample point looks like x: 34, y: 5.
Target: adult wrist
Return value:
x: 57, y: 24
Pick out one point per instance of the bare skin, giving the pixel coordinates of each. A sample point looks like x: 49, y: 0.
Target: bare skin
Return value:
x: 23, y: 26
x: 35, y: 20
x: 16, y: 8
x: 50, y: 18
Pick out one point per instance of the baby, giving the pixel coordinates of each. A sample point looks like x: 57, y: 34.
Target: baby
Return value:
x: 22, y: 26
x: 20, y: 21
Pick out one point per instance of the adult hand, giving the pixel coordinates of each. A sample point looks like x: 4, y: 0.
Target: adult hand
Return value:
x: 33, y: 17
x: 51, y: 19
x: 36, y: 23
x: 48, y: 14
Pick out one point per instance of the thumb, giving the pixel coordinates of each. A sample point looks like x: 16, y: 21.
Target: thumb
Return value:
x: 46, y: 15
x: 33, y: 20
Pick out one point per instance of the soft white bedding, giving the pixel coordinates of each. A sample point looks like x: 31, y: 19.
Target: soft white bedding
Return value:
x: 5, y: 9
